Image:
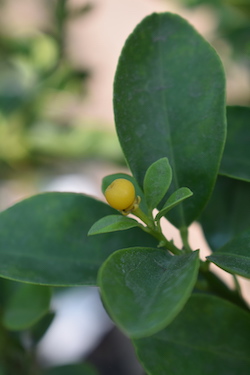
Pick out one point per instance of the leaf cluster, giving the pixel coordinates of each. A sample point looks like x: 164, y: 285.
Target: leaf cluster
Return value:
x: 180, y: 141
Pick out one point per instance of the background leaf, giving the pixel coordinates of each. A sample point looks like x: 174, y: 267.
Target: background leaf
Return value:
x: 234, y: 257
x: 227, y: 213
x: 161, y: 111
x: 157, y: 180
x: 44, y: 240
x: 38, y: 330
x: 209, y: 336
x: 144, y: 289
x: 26, y: 306
x: 74, y: 369
x: 236, y: 158
x: 112, y: 223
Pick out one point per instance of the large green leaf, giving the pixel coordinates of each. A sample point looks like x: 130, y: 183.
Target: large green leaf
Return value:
x: 234, y: 257
x: 144, y: 289
x: 26, y: 306
x: 169, y: 101
x: 44, y: 240
x: 227, y: 213
x: 236, y: 158
x: 209, y: 336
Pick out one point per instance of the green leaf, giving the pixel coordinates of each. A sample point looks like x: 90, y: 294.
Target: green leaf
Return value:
x: 156, y: 183
x: 234, y: 257
x: 107, y: 180
x: 26, y: 306
x: 43, y: 240
x: 236, y: 158
x: 169, y: 101
x: 39, y: 329
x: 209, y: 336
x: 112, y: 223
x: 74, y: 369
x: 144, y: 289
x: 177, y: 197
x: 227, y: 213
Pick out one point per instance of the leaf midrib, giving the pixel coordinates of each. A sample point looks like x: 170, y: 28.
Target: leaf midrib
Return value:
x: 199, y: 348
x: 175, y: 177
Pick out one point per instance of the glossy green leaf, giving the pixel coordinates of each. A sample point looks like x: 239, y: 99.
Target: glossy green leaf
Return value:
x: 234, y: 257
x: 144, y: 289
x: 43, y: 240
x: 26, y: 306
x: 175, y: 198
x: 236, y: 158
x: 110, y: 178
x: 169, y: 101
x: 209, y: 336
x: 74, y: 369
x: 156, y: 183
x: 112, y: 223
x: 227, y: 213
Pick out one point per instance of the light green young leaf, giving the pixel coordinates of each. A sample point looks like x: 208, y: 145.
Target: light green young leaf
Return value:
x: 26, y: 306
x: 169, y: 101
x: 177, y: 197
x: 234, y: 257
x: 157, y: 180
x: 112, y: 223
x: 209, y: 336
x: 144, y: 289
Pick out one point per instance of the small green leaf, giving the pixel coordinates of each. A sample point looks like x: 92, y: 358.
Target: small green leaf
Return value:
x: 74, y: 369
x: 227, y: 213
x: 169, y: 101
x: 26, y: 306
x: 157, y: 180
x: 107, y: 180
x: 112, y: 223
x: 209, y: 336
x: 177, y: 197
x: 234, y: 257
x: 43, y: 240
x: 236, y: 158
x: 144, y: 289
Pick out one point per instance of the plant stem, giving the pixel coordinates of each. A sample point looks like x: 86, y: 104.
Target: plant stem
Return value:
x: 184, y: 237
x: 141, y: 215
x: 156, y: 232
x: 237, y: 286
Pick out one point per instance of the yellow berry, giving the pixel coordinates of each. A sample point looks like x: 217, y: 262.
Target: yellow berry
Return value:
x: 120, y: 194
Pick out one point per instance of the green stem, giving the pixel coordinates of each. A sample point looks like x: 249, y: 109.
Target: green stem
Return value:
x: 156, y: 232
x: 184, y: 237
x: 237, y: 286
x: 146, y: 220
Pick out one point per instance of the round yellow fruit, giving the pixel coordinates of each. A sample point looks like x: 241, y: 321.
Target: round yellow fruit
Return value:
x: 120, y: 194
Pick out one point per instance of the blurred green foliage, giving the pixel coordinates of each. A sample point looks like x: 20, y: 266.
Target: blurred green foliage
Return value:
x: 37, y: 81
x: 233, y: 25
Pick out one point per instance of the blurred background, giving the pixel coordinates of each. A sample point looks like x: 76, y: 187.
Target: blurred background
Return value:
x: 57, y: 64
